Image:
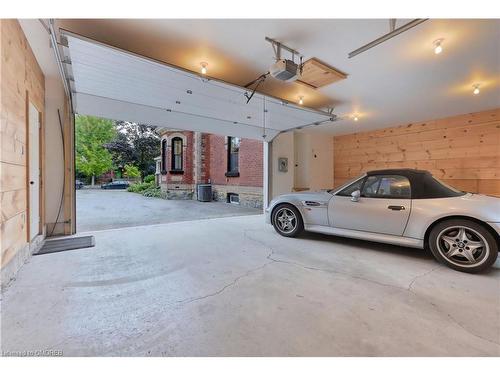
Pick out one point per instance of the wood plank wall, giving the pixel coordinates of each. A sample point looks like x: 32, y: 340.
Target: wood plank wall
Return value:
x: 21, y: 78
x: 463, y: 151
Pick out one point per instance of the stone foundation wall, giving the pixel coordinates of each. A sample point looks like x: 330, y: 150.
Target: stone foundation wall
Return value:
x: 250, y: 196
x: 178, y: 191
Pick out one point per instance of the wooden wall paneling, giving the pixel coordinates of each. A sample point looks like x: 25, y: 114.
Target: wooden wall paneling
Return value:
x: 487, y: 186
x: 21, y: 77
x: 459, y: 121
x: 13, y: 177
x: 13, y: 203
x: 13, y: 236
x: 463, y: 150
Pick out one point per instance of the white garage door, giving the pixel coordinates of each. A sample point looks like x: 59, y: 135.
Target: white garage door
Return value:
x: 116, y: 84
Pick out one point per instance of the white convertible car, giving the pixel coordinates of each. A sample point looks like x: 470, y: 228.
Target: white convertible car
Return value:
x: 404, y: 207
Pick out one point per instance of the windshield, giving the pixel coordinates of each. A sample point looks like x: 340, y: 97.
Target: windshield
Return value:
x: 345, y: 184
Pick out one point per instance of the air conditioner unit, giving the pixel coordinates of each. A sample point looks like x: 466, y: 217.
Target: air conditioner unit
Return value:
x: 285, y: 70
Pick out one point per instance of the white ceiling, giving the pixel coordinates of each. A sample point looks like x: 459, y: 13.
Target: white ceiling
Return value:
x: 397, y: 82
x: 115, y: 84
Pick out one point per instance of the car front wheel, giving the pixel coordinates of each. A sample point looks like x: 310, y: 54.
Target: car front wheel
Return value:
x: 463, y: 245
x: 287, y: 220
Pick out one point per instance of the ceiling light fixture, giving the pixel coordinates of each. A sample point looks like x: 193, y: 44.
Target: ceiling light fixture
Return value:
x: 476, y: 89
x: 203, y: 68
x: 301, y: 100
x: 438, y: 48
x: 355, y: 118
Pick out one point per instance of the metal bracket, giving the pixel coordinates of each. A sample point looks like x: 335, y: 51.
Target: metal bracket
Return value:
x: 259, y: 80
x: 277, y: 50
x: 392, y: 24
x: 277, y: 46
x: 63, y: 41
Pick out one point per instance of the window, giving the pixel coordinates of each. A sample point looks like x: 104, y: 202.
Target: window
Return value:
x: 386, y: 187
x: 233, y: 151
x: 346, y: 192
x: 370, y: 186
x: 163, y: 156
x: 233, y: 198
x: 177, y: 154
x: 435, y: 188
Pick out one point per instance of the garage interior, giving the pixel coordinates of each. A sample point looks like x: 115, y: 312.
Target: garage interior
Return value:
x: 232, y: 286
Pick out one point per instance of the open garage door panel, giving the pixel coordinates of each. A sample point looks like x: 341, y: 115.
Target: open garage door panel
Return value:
x: 116, y: 84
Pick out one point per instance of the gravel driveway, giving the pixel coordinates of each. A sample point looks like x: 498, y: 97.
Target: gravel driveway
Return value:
x: 98, y: 209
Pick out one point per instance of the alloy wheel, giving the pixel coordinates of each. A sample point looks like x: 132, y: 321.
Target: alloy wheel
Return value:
x: 463, y: 246
x: 285, y: 220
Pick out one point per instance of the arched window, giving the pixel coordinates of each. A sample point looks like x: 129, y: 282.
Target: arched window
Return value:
x: 233, y: 152
x: 177, y: 154
x: 164, y: 156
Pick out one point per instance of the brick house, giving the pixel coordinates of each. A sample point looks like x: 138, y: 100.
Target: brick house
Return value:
x: 234, y: 166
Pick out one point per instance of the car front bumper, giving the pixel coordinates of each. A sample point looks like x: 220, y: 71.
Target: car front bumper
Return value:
x: 267, y: 212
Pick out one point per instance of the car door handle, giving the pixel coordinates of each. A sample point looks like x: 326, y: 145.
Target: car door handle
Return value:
x: 396, y: 208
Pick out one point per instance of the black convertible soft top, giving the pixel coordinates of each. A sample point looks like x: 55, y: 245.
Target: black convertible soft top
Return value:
x: 423, y: 185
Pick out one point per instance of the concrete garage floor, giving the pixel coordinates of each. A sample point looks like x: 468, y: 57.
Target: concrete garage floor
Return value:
x: 233, y: 287
x: 99, y: 209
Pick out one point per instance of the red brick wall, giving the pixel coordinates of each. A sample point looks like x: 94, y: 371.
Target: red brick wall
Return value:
x: 187, y: 159
x: 214, y: 161
x: 250, y: 162
x: 205, y: 158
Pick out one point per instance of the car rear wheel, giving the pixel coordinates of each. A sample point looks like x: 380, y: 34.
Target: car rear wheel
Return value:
x: 287, y: 220
x: 463, y: 245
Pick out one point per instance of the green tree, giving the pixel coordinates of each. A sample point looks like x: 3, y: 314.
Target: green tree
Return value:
x: 92, y: 133
x: 132, y: 171
x: 136, y: 144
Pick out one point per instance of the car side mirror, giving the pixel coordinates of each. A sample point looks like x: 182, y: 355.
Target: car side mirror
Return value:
x: 355, y: 195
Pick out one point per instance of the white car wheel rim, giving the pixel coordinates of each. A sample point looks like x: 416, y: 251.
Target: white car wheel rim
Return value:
x: 285, y: 220
x: 463, y: 246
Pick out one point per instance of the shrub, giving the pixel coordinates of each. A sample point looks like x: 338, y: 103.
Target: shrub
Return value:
x: 138, y: 188
x: 154, y: 192
x: 149, y: 178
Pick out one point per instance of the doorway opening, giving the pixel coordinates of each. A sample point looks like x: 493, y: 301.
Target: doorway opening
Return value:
x: 131, y: 174
x: 34, y: 171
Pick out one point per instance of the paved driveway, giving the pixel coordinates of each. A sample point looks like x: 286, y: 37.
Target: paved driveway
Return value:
x: 233, y: 286
x: 98, y: 209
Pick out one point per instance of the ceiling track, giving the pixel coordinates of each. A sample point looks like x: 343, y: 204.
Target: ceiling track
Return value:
x: 58, y: 56
x: 278, y: 46
x: 388, y: 36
